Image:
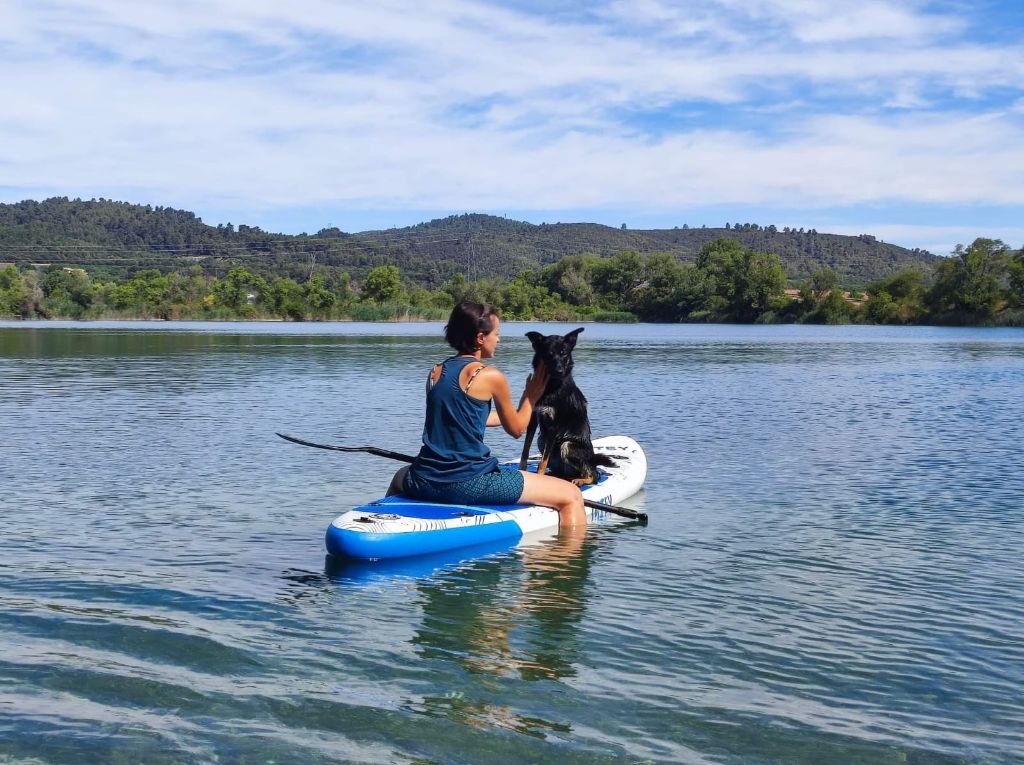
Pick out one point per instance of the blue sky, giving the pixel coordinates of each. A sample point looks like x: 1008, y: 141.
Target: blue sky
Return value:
x: 899, y: 118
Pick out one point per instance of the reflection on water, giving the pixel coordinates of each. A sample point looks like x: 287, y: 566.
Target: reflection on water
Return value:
x: 501, y: 619
x: 831, y: 572
x: 506, y: 617
x: 505, y: 610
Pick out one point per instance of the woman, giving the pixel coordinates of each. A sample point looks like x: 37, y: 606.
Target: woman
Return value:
x: 454, y: 465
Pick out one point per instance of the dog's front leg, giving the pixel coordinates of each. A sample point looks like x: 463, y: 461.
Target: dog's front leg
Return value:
x: 542, y: 468
x: 531, y: 429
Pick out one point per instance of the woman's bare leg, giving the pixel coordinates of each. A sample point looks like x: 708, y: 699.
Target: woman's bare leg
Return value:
x: 549, y: 491
x: 396, y: 482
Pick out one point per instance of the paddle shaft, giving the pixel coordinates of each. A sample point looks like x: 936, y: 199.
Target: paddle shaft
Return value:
x: 368, y: 449
x: 625, y: 512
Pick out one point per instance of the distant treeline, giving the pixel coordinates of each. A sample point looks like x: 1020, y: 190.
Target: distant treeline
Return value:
x: 117, y: 239
x: 982, y: 284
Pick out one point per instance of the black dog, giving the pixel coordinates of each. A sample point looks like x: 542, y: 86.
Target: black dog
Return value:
x: 561, y: 413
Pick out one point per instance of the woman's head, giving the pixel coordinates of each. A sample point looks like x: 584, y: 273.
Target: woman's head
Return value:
x: 469, y: 325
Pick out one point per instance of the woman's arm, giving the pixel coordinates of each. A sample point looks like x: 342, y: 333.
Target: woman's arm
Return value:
x: 513, y: 419
x: 494, y: 419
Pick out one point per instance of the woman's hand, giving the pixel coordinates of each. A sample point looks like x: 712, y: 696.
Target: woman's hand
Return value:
x: 514, y: 420
x: 536, y: 383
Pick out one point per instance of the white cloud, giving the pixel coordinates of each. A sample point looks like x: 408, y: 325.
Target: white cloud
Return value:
x: 868, y: 20
x: 807, y: 21
x: 464, y: 105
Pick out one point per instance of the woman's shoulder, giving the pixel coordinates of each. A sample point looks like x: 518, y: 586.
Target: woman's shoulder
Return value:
x: 486, y: 375
x: 480, y: 370
x: 486, y: 369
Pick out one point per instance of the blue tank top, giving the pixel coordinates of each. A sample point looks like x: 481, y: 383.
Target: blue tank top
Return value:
x: 453, y: 433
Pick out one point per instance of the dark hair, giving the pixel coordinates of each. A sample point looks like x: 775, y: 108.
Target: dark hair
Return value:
x: 468, y: 319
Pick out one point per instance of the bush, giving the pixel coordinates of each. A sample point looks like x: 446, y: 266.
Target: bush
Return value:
x: 615, y: 317
x: 1013, y: 317
x: 396, y: 312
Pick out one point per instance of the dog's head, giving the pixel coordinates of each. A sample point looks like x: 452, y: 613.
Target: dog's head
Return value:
x: 555, y: 351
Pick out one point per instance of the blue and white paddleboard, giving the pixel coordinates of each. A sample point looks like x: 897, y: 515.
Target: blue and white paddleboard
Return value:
x: 398, y: 527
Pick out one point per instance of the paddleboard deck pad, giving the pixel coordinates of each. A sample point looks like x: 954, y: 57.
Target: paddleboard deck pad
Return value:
x: 399, y: 527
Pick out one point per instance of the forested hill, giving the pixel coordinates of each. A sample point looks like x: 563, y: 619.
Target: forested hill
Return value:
x: 502, y: 246
x: 119, y: 238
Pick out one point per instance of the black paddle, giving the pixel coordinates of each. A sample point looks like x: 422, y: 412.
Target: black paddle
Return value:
x: 625, y: 512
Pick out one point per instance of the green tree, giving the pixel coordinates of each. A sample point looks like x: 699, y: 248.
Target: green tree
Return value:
x: 617, y: 279
x: 970, y: 282
x: 318, y: 297
x: 383, y: 285
x: 287, y: 299
x: 820, y: 282
x: 240, y: 290
x: 525, y: 298
x: 485, y: 291
x: 881, y: 308
x: 571, y: 278
x: 152, y: 287
x: 456, y: 288
x: 895, y: 299
x: 148, y: 292
x: 658, y: 299
x: 14, y: 295
x: 1016, y: 279
x: 721, y: 262
x: 814, y: 290
x: 695, y: 296
x: 121, y: 296
x: 340, y: 285
x: 740, y: 285
x: 831, y: 308
x: 760, y: 283
x: 67, y: 291
x: 187, y: 293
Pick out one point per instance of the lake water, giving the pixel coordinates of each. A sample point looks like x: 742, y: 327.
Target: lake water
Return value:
x: 832, y: 572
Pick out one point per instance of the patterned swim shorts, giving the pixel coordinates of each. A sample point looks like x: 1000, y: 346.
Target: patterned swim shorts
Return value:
x: 499, y: 487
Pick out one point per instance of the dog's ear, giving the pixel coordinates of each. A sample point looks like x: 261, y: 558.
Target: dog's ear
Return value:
x: 535, y: 338
x: 570, y: 338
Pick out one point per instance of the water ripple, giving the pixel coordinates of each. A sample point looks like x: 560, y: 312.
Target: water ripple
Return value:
x: 831, y: 573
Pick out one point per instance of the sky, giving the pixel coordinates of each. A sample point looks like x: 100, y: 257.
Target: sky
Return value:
x: 899, y: 118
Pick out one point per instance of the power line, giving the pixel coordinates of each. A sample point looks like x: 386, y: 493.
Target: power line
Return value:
x: 68, y: 253
x: 379, y: 238
x: 383, y: 243
x: 177, y: 249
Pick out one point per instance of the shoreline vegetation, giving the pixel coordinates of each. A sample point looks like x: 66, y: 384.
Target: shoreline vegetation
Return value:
x: 107, y: 260
x: 978, y: 285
